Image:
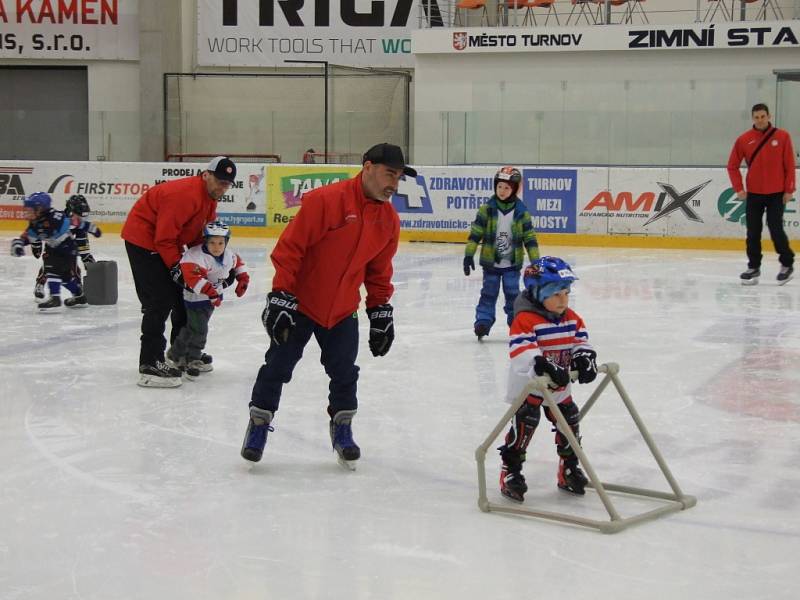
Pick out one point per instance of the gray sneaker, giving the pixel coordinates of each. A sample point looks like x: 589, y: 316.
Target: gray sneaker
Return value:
x: 750, y: 277
x: 785, y: 275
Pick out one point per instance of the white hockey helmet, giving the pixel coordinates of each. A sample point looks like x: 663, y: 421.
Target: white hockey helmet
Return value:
x: 217, y: 228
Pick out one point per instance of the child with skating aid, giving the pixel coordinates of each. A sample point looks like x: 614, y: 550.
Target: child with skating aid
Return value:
x: 76, y: 205
x: 503, y: 225
x: 547, y: 337
x: 207, y: 269
x: 54, y: 231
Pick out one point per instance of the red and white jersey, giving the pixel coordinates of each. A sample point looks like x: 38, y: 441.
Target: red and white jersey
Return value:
x: 533, y: 335
x: 199, y: 267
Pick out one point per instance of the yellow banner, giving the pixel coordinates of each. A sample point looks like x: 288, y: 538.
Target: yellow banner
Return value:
x: 287, y: 184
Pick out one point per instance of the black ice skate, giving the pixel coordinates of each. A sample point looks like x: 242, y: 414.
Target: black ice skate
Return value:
x: 512, y: 483
x: 482, y: 330
x: 255, y: 438
x: 51, y: 305
x: 207, y: 359
x: 190, y: 370
x: 347, y: 451
x: 201, y: 365
x: 750, y: 277
x: 159, y: 375
x: 785, y: 275
x: 38, y: 291
x: 76, y: 302
x: 570, y: 476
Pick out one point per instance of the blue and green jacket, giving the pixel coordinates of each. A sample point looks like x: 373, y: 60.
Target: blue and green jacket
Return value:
x: 484, y: 231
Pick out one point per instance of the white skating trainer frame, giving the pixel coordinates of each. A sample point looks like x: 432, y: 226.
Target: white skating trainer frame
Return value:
x: 670, y: 502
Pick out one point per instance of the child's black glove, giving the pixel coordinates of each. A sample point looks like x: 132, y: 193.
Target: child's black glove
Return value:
x: 583, y: 361
x: 17, y: 247
x: 558, y: 375
x: 469, y: 264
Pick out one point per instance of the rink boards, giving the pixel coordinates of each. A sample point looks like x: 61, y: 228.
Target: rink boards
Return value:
x: 673, y: 207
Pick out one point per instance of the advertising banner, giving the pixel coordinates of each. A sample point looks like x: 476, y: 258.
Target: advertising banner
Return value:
x: 440, y: 203
x: 730, y: 36
x: 112, y: 188
x: 286, y: 185
x: 69, y: 29
x: 438, y: 199
x: 681, y: 202
x: 254, y: 33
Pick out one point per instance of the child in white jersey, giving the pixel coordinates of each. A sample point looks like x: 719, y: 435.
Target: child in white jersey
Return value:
x: 547, y: 337
x: 207, y: 269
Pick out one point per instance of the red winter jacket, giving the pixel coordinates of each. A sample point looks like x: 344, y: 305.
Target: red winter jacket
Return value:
x: 773, y: 169
x: 169, y: 216
x: 338, y: 240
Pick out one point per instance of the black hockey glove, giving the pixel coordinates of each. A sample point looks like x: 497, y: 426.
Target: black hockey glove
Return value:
x: 177, y: 276
x: 469, y: 265
x: 36, y: 249
x: 17, y: 247
x: 280, y: 316
x: 228, y: 281
x: 583, y: 361
x: 381, y: 329
x: 558, y: 375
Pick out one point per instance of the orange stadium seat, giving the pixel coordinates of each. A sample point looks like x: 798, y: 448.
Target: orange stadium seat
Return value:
x: 464, y: 5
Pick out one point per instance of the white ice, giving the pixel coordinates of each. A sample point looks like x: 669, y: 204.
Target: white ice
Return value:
x: 111, y: 491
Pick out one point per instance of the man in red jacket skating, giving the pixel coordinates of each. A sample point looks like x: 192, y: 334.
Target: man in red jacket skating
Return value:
x: 769, y: 156
x: 166, y: 218
x: 344, y: 235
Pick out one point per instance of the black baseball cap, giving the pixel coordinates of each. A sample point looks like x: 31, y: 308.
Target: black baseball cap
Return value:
x: 389, y: 155
x: 223, y: 168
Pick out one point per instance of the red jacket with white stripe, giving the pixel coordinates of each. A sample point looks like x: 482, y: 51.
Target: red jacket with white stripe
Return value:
x: 773, y: 171
x: 169, y: 216
x: 532, y: 334
x: 339, y: 240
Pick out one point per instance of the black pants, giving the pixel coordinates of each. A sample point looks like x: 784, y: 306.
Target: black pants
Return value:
x: 159, y: 297
x: 772, y: 204
x: 60, y: 266
x: 339, y: 346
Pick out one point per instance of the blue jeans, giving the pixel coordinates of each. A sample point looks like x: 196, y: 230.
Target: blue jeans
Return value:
x: 490, y: 291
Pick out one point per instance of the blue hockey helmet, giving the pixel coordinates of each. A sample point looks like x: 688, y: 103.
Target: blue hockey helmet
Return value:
x: 546, y: 276
x: 38, y: 200
x: 217, y: 228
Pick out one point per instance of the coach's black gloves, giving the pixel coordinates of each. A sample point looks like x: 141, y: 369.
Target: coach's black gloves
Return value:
x: 381, y: 328
x: 280, y: 316
x: 177, y: 275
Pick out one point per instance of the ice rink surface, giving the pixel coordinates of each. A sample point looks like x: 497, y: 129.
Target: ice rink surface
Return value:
x: 111, y: 491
